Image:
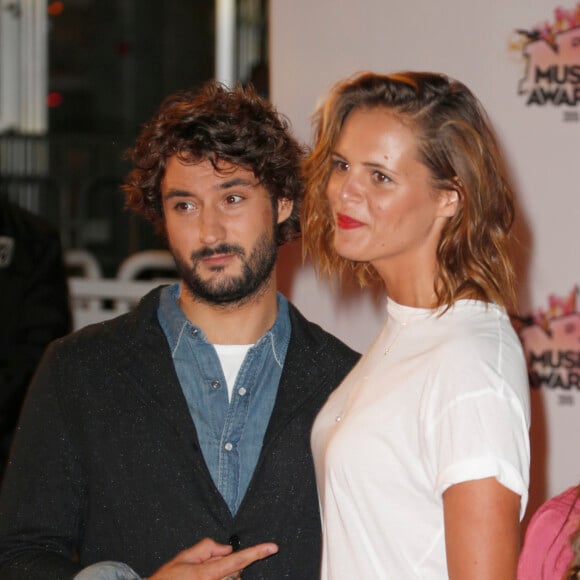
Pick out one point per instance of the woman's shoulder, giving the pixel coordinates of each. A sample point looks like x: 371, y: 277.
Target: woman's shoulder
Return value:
x: 480, y: 352
x: 559, y: 507
x: 547, y: 536
x: 475, y: 328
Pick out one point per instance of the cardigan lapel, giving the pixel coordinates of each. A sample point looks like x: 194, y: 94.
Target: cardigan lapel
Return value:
x: 150, y: 372
x: 306, y: 372
x: 148, y: 369
x: 151, y: 375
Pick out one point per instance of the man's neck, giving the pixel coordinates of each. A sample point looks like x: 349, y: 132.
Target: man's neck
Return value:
x: 234, y: 323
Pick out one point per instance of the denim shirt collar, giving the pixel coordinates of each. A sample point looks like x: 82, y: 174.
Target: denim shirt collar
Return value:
x: 175, y: 323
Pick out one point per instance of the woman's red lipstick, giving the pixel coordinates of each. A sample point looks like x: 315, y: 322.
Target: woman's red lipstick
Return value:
x: 345, y: 222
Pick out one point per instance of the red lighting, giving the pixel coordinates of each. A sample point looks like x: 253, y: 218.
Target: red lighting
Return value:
x: 122, y: 47
x: 55, y: 8
x: 54, y: 99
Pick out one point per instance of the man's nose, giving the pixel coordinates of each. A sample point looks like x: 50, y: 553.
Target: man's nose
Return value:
x: 211, y: 228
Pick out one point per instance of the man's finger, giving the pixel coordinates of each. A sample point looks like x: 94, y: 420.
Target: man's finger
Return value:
x: 203, y: 551
x: 240, y: 560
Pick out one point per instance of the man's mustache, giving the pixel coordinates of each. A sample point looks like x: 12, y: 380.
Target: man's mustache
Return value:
x: 221, y: 249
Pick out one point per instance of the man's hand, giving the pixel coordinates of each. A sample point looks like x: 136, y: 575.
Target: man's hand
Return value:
x: 208, y: 560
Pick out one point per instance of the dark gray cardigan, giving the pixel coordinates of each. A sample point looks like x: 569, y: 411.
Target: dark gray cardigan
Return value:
x: 107, y: 466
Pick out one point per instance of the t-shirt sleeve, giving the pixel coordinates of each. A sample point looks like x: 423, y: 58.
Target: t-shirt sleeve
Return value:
x: 477, y: 423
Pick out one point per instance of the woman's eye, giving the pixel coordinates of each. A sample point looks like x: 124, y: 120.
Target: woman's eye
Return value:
x: 379, y: 177
x: 340, y: 165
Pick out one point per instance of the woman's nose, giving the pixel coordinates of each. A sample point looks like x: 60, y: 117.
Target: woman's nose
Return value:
x: 350, y: 188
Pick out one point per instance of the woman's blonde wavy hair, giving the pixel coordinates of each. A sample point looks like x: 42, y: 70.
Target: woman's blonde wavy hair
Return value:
x: 456, y: 142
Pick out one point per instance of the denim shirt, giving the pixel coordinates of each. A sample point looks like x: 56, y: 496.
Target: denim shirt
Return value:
x: 231, y: 432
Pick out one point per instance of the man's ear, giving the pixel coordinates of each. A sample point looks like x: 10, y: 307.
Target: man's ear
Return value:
x: 285, y: 206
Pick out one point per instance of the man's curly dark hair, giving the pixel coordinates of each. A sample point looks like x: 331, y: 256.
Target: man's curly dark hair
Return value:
x: 217, y: 124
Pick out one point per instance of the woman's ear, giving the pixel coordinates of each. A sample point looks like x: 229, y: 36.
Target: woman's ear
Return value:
x: 449, y: 202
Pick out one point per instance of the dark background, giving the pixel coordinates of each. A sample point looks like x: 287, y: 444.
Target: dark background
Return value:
x: 111, y: 63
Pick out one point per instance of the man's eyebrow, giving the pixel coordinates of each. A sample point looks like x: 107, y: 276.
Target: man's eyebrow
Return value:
x: 224, y: 185
x: 236, y: 182
x: 177, y: 193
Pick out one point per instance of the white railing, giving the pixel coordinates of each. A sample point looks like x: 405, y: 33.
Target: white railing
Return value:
x: 96, y: 299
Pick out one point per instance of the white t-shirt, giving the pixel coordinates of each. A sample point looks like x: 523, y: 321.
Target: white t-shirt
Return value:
x: 231, y: 358
x: 448, y: 403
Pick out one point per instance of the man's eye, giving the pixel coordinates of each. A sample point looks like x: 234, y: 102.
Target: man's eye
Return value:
x: 184, y: 206
x: 233, y: 199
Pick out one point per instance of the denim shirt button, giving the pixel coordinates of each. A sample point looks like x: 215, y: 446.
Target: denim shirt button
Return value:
x: 215, y: 384
x: 242, y: 391
x: 195, y: 331
x: 228, y: 446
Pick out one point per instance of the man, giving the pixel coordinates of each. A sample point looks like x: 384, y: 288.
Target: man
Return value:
x: 34, y: 309
x: 191, y: 416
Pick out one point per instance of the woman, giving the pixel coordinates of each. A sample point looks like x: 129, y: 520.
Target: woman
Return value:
x: 422, y: 454
x: 551, y: 550
x: 573, y: 572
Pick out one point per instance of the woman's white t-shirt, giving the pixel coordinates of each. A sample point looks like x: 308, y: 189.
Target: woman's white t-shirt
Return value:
x: 436, y: 401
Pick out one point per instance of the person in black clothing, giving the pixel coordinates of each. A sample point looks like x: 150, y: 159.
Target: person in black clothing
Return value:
x: 34, y: 309
x: 189, y: 417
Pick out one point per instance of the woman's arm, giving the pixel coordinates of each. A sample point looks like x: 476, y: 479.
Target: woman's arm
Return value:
x: 482, y: 530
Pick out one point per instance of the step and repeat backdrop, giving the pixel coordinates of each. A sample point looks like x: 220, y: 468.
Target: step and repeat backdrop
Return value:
x: 522, y: 59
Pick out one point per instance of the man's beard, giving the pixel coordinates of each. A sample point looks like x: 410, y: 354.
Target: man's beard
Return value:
x: 256, y: 271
